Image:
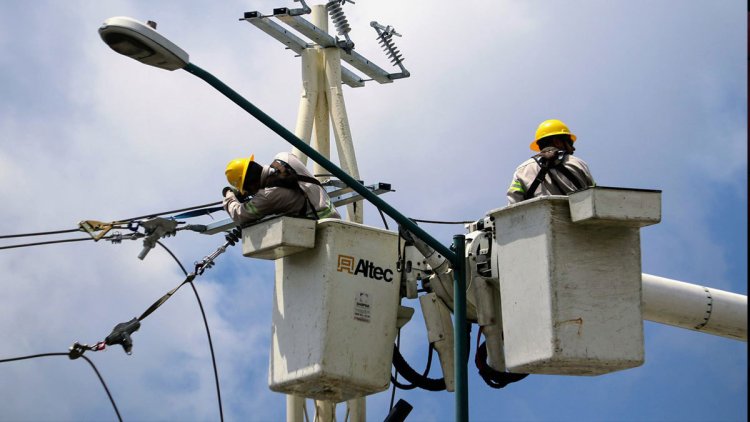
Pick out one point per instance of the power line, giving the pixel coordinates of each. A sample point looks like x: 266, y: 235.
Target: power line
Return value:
x: 172, y: 212
x: 113, y: 238
x: 104, y: 384
x: 25, y: 245
x: 441, y: 222
x: 208, y: 331
x: 8, y: 236
x: 51, y: 232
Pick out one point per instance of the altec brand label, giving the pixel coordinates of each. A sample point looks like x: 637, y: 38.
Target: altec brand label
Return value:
x: 363, y: 267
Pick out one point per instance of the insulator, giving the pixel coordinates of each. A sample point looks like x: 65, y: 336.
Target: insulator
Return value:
x: 336, y: 12
x: 393, y: 53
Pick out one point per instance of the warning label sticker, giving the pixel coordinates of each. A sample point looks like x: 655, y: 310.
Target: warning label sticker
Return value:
x: 362, y: 307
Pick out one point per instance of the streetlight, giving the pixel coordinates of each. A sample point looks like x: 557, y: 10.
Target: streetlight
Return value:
x: 141, y: 42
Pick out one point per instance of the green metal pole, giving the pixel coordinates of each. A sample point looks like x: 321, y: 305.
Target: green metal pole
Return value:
x: 324, y: 162
x: 456, y: 258
x: 459, y: 329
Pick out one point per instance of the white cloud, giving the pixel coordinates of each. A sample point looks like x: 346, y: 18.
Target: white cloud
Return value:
x: 656, y: 94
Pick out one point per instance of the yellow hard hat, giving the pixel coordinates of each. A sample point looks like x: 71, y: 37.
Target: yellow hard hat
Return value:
x: 549, y: 128
x: 236, y: 171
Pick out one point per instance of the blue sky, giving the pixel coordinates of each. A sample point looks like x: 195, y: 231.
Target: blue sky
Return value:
x: 656, y: 92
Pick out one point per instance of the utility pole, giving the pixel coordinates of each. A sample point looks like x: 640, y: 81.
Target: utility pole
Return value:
x: 321, y: 109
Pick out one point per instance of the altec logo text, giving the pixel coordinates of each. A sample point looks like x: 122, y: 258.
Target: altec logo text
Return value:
x: 363, y: 267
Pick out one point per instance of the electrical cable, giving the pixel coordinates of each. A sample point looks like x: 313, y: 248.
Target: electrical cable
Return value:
x: 171, y: 212
x: 385, y: 223
x: 24, y: 245
x: 208, y: 331
x: 416, y: 379
x: 104, y: 384
x: 440, y: 222
x: 493, y: 378
x: 121, y: 332
x: 8, y: 236
x: 395, y: 377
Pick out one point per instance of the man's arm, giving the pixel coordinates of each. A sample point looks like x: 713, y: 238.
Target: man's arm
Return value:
x: 240, y: 213
x: 267, y: 201
x: 516, y: 191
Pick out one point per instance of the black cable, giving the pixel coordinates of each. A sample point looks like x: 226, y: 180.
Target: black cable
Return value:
x: 395, y: 377
x: 171, y: 212
x: 182, y: 267
x: 8, y: 236
x: 416, y: 379
x: 493, y: 378
x: 430, y: 352
x: 208, y: 331
x: 440, y: 222
x: 51, y: 242
x: 385, y: 223
x: 104, y: 384
x: 24, y: 245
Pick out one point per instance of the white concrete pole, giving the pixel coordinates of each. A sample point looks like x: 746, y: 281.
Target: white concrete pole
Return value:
x: 322, y: 139
x: 325, y: 411
x: 309, y: 99
x: 313, y: 105
x: 356, y: 410
x: 305, y: 117
x: 694, y: 307
x: 340, y: 120
x: 345, y: 147
x: 295, y: 409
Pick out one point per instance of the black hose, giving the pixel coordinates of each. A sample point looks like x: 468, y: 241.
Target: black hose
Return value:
x: 415, y: 378
x: 493, y: 378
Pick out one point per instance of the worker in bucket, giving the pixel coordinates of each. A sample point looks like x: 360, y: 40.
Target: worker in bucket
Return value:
x: 284, y: 187
x: 554, y: 170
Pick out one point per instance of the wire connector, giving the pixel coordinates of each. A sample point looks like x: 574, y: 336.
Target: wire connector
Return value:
x: 121, y: 334
x: 77, y: 349
x: 156, y: 228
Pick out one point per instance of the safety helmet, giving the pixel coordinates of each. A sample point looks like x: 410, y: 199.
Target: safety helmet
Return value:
x: 237, y: 170
x: 549, y: 128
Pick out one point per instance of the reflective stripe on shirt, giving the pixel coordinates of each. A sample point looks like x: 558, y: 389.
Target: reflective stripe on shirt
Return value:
x: 516, y: 186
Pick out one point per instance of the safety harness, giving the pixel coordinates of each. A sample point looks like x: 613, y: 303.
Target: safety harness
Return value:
x: 283, y: 175
x: 552, y: 158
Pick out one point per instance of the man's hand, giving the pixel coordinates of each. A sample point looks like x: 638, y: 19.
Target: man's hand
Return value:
x: 229, y: 189
x: 549, y: 157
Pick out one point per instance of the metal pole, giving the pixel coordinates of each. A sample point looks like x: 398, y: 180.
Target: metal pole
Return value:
x: 459, y: 327
x: 325, y: 163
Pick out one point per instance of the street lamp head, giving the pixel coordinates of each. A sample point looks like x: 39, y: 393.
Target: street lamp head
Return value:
x: 139, y: 41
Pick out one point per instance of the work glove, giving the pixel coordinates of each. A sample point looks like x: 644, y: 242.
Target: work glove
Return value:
x: 549, y: 157
x: 228, y: 189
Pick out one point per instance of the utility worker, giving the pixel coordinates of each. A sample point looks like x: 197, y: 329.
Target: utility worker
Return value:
x: 283, y: 187
x: 554, y: 171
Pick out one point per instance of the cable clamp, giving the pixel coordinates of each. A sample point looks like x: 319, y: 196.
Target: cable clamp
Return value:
x: 156, y: 228
x: 121, y: 335
x: 77, y: 349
